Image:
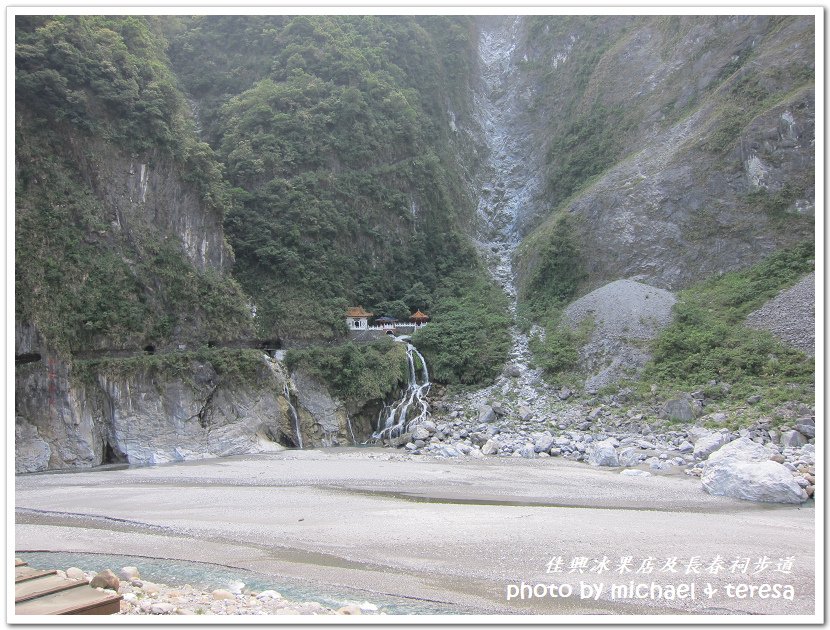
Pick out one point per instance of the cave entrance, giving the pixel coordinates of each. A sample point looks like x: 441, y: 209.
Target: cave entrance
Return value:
x: 287, y: 441
x: 271, y: 344
x: 113, y: 455
x: 149, y: 349
x: 26, y: 357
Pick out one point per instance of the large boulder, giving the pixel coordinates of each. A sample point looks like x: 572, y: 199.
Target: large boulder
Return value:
x: 742, y: 470
x: 792, y: 438
x: 603, y: 454
x: 709, y: 443
x: 807, y: 427
x: 543, y: 444
x: 681, y: 409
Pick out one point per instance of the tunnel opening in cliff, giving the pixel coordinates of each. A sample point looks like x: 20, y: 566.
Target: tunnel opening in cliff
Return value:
x: 26, y: 357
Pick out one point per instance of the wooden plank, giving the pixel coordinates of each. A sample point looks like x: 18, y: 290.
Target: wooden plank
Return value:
x: 45, y: 585
x: 21, y: 574
x: 75, y: 601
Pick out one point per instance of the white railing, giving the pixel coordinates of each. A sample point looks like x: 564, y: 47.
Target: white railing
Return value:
x: 392, y: 326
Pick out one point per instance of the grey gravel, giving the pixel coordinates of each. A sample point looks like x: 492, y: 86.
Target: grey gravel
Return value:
x: 624, y: 313
x: 791, y: 315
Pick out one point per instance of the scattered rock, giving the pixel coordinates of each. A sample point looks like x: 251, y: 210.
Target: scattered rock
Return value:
x: 603, y: 454
x: 629, y: 456
x: 221, y: 593
x: 491, y: 447
x: 74, y: 573
x: 128, y: 573
x: 486, y: 415
x: 792, y: 438
x: 269, y: 595
x: 105, y: 579
x: 686, y: 447
x: 513, y: 371
x: 162, y: 608
x: 420, y: 433
x: 350, y: 609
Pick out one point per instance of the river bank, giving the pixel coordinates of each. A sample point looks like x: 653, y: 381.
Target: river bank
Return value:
x: 454, y: 531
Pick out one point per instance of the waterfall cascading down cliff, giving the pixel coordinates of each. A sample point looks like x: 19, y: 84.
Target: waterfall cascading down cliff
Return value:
x: 294, y: 417
x: 392, y: 421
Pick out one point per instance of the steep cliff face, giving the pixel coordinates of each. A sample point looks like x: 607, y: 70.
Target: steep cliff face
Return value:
x: 147, y: 196
x: 194, y: 407
x: 681, y: 147
x: 122, y: 270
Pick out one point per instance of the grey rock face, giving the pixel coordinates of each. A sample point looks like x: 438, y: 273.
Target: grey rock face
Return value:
x: 623, y: 315
x: 673, y: 212
x: 323, y: 418
x: 32, y: 453
x: 143, y: 418
x: 152, y: 197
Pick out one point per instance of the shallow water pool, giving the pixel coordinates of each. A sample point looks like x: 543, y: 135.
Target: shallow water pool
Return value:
x: 208, y: 577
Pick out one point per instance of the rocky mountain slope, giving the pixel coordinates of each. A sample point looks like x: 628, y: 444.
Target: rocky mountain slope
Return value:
x: 680, y: 147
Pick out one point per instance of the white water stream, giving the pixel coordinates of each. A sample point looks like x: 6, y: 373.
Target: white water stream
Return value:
x: 294, y: 417
x: 392, y: 421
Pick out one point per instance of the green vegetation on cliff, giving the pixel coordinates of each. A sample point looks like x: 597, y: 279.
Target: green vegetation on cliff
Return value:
x: 92, y: 92
x: 468, y: 339
x: 355, y: 373
x: 707, y: 340
x: 334, y: 134
x: 242, y: 367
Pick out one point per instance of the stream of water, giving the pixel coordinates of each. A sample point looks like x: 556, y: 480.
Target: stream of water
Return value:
x: 393, y: 420
x: 206, y: 576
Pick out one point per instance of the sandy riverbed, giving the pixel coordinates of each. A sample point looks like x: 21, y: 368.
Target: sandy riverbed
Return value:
x: 451, y: 531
